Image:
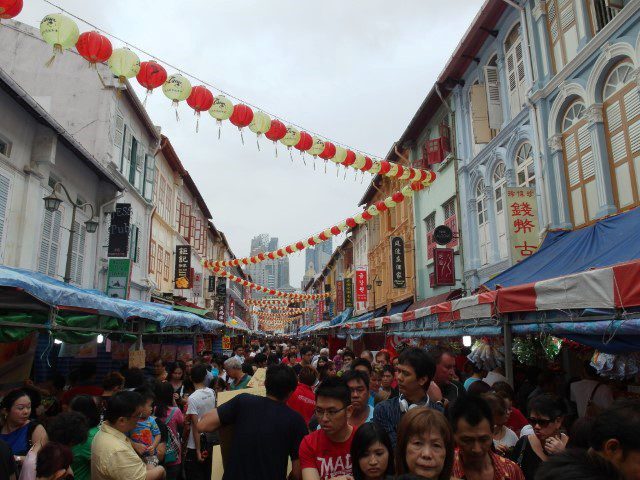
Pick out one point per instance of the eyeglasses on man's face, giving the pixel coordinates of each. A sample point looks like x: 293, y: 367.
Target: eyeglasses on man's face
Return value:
x: 330, y: 413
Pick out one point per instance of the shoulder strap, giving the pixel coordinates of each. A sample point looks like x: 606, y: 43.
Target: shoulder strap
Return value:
x: 173, y: 411
x: 522, y: 449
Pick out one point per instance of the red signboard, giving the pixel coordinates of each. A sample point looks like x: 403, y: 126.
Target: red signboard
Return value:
x: 339, y: 296
x: 361, y: 286
x: 444, y: 267
x: 320, y: 310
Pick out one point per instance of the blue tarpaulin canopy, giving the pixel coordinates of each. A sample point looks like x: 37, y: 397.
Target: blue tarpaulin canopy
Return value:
x: 400, y: 307
x: 607, y: 242
x: 343, y: 317
x: 63, y: 295
x: 367, y: 316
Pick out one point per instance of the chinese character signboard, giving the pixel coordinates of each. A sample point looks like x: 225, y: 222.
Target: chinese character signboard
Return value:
x: 397, y: 262
x: 183, y: 266
x: 221, y: 300
x: 197, y: 284
x: 348, y: 292
x: 361, y: 285
x: 226, y: 342
x: 320, y: 311
x: 444, y: 267
x: 119, y: 231
x: 232, y: 308
x: 212, y: 284
x: 118, y: 278
x: 339, y: 296
x: 523, y: 223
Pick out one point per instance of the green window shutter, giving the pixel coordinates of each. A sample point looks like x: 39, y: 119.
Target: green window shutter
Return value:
x: 149, y: 176
x: 134, y: 160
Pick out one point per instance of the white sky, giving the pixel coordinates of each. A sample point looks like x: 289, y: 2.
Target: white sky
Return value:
x: 354, y: 71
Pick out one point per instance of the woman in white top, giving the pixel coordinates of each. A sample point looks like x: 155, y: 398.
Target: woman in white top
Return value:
x: 504, y: 439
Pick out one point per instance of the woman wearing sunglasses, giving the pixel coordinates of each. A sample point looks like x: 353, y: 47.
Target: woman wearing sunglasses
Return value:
x: 545, y: 417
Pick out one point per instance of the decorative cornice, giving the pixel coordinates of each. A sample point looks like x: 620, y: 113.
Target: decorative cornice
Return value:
x: 555, y: 143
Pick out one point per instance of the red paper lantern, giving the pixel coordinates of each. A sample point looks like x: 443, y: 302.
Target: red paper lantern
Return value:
x: 151, y: 76
x: 277, y: 131
x: 241, y: 116
x: 350, y: 158
x: 94, y: 47
x: 329, y: 151
x: 201, y: 99
x: 305, y: 143
x: 368, y: 163
x: 10, y: 8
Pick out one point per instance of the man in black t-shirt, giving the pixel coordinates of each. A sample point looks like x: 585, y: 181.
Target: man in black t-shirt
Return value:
x: 7, y: 463
x: 264, y: 426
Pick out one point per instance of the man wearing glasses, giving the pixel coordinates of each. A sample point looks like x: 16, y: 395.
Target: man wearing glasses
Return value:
x: 112, y: 456
x: 324, y: 454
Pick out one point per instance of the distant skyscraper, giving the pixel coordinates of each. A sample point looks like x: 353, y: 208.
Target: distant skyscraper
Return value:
x: 318, y: 256
x: 270, y: 273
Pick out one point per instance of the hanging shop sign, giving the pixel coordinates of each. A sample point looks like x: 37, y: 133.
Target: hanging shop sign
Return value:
x: 220, y: 301
x: 211, y: 287
x: 339, y: 295
x: 118, y: 276
x: 226, y: 342
x: 444, y: 267
x: 397, y: 263
x: 320, y: 310
x: 183, y: 267
x: 119, y: 231
x: 348, y: 292
x: 232, y: 308
x: 442, y: 235
x: 197, y: 284
x: 361, y: 285
x: 523, y: 223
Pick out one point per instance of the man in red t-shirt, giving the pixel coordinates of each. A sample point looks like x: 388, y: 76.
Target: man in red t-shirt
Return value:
x: 303, y: 400
x: 324, y: 454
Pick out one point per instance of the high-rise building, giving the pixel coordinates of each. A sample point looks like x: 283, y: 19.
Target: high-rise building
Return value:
x: 270, y: 273
x: 318, y: 256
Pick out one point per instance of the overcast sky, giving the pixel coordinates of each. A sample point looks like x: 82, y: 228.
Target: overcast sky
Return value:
x: 354, y: 71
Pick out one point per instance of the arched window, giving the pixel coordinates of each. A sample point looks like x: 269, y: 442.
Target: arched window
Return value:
x: 484, y: 237
x: 579, y: 165
x: 514, y: 61
x: 622, y: 125
x: 499, y: 184
x: 525, y: 171
x: 563, y: 31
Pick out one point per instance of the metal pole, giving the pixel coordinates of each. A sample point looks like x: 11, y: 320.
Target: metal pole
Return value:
x: 508, y: 350
x: 72, y: 231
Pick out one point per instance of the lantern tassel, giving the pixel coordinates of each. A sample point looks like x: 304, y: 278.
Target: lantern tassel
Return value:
x: 275, y: 144
x: 146, y: 95
x: 290, y: 155
x: 314, y: 163
x: 303, y: 160
x: 175, y: 105
x: 57, y: 49
x: 241, y: 136
x: 197, y: 122
x: 325, y: 166
x: 258, y: 141
x: 219, y: 129
x: 345, y: 175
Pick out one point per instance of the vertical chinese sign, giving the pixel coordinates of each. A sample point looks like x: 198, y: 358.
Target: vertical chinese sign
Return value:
x: 197, y: 284
x: 361, y: 288
x: 523, y: 222
x: 339, y: 296
x: 444, y: 267
x: 397, y: 262
x: 118, y: 277
x: 221, y: 300
x: 232, y: 309
x: 183, y: 267
x: 348, y: 292
x: 320, y: 310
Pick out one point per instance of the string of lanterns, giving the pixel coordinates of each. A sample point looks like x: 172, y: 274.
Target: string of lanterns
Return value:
x: 289, y: 311
x: 278, y: 293
x: 388, y: 203
x: 266, y: 302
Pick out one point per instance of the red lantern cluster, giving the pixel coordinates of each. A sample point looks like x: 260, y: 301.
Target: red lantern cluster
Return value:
x: 151, y: 75
x: 241, y: 116
x: 10, y: 8
x: 305, y: 143
x: 94, y: 47
x: 277, y: 131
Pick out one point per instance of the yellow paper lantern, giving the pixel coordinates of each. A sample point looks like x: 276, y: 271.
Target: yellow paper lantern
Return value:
x: 177, y: 88
x: 124, y: 64
x: 260, y: 124
x: 340, y: 156
x: 359, y: 161
x: 60, y: 32
x: 292, y: 137
x: 317, y: 147
x: 221, y: 109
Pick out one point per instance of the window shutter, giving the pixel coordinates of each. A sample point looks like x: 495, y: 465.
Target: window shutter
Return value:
x: 492, y: 84
x: 125, y: 162
x: 5, y: 185
x: 133, y: 155
x: 78, y: 252
x: 133, y: 243
x: 50, y: 243
x: 149, y: 173
x: 617, y: 4
x: 167, y: 262
x: 480, y: 115
x: 152, y: 256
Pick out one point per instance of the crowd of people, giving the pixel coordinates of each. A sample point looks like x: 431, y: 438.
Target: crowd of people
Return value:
x: 342, y: 417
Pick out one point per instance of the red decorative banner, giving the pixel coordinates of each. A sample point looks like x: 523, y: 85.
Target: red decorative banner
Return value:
x: 445, y: 267
x: 320, y: 310
x: 361, y: 285
x: 339, y: 296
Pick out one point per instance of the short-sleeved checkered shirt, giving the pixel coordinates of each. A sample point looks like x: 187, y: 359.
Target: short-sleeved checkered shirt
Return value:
x: 503, y: 469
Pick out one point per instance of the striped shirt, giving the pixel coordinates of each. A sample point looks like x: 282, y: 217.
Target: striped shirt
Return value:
x: 503, y: 469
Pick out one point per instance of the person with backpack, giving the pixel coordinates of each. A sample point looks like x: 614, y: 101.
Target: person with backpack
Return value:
x: 170, y: 414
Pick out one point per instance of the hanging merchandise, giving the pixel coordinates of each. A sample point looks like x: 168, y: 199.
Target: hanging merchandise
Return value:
x: 260, y: 125
x: 222, y: 109
x: 94, y: 48
x: 124, y: 64
x: 201, y: 100
x: 535, y: 350
x: 525, y: 351
x: 485, y: 356
x: 177, y: 88
x: 241, y: 117
x: 390, y: 202
x: 10, y: 8
x: 618, y: 367
x: 60, y: 32
x: 151, y: 76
